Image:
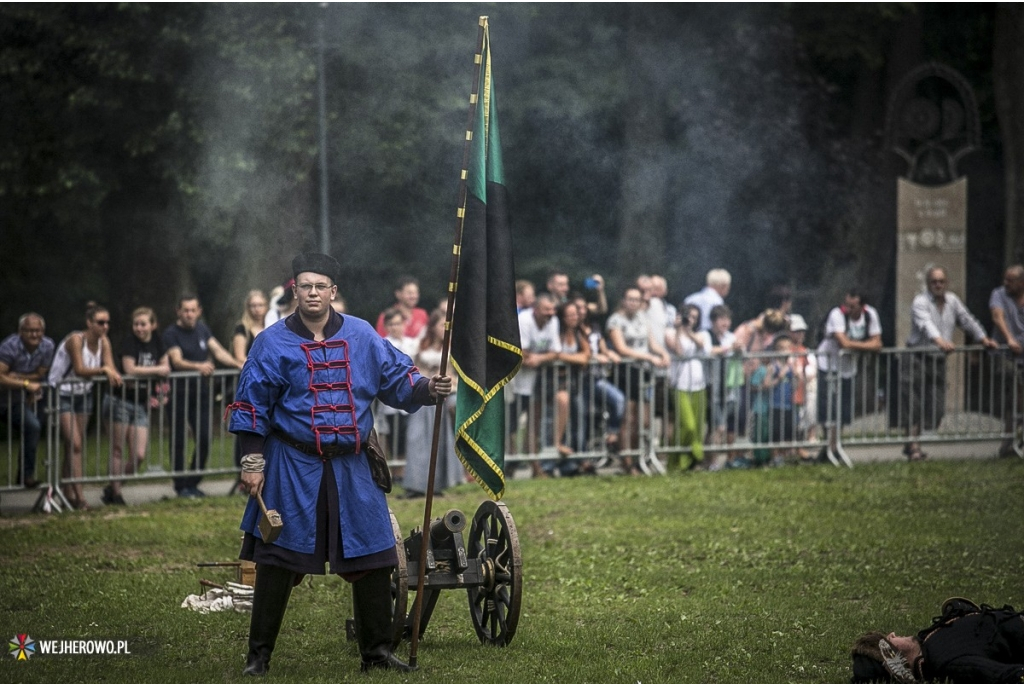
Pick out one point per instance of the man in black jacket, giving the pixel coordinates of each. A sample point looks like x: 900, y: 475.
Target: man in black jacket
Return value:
x: 966, y: 644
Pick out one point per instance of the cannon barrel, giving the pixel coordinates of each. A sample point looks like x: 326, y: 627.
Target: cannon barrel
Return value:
x: 489, y: 569
x: 454, y: 521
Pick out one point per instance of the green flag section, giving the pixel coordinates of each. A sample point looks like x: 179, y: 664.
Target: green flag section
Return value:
x: 486, y: 350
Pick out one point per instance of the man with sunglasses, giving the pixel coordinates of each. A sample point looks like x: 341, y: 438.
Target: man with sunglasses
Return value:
x: 921, y: 401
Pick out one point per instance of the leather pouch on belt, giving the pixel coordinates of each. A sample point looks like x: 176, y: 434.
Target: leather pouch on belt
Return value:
x: 378, y: 462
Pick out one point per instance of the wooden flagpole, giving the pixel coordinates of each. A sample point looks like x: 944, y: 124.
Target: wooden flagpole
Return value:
x: 453, y: 280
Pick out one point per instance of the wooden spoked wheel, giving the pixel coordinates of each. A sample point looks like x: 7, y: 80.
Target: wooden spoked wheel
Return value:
x: 494, y: 605
x: 399, y: 586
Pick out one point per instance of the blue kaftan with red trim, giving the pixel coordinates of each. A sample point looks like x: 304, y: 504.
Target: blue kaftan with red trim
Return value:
x: 321, y: 393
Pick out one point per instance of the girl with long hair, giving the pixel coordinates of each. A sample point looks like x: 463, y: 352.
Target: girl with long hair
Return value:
x: 420, y: 430
x: 143, y: 356
x: 85, y: 354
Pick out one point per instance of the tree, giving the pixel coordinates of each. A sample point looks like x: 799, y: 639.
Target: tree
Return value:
x: 1008, y: 58
x: 157, y: 149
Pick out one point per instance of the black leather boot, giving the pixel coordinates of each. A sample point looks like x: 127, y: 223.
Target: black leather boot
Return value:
x: 269, y: 600
x: 371, y: 609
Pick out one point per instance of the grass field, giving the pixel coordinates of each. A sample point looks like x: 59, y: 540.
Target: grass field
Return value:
x: 738, y: 576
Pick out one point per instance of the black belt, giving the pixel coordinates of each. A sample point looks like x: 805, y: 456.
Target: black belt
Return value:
x: 311, y: 450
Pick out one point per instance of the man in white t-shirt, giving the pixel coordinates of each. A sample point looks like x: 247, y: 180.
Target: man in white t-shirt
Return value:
x: 853, y: 327
x: 534, y: 390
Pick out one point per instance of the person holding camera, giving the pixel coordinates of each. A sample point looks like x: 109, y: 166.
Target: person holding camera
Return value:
x: 688, y: 343
x: 599, y: 392
x: 598, y: 306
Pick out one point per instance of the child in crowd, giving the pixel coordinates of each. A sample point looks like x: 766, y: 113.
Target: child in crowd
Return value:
x: 773, y: 406
x: 805, y: 397
x: 725, y: 379
x: 390, y: 422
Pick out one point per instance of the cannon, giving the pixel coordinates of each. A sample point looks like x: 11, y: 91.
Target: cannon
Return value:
x: 489, y: 567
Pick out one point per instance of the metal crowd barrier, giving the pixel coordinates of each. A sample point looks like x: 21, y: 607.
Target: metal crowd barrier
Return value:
x: 200, y: 401
x: 749, y: 407
x: 590, y: 401
x: 871, y: 399
x: 971, y: 394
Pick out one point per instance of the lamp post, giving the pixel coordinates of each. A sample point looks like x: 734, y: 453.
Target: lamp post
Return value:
x: 325, y: 233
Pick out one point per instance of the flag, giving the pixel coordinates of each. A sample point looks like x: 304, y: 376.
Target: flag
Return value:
x: 486, y: 350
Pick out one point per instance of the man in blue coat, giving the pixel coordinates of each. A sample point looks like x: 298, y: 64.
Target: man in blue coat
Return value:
x: 302, y: 414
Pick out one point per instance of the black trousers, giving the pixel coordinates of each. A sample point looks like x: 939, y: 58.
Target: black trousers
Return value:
x: 193, y: 407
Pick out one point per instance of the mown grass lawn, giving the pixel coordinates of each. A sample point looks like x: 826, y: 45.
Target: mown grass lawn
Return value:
x: 741, y: 576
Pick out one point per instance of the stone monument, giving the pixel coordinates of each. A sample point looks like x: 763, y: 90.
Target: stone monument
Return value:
x: 932, y: 124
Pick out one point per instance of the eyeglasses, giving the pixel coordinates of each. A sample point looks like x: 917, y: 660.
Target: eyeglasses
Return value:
x: 101, y: 322
x: 937, y: 281
x: 309, y: 287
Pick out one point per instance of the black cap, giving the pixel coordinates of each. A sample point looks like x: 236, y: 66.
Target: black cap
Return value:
x: 317, y: 263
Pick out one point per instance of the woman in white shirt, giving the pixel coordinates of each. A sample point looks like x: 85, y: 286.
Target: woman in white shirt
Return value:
x: 690, y: 384
x: 632, y: 340
x: 449, y: 471
x: 85, y: 354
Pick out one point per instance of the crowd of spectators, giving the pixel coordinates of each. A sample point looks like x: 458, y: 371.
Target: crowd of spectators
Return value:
x: 681, y: 375
x: 31, y: 363
x: 594, y: 377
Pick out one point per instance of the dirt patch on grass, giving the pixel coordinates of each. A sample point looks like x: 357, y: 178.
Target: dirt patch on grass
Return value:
x: 124, y: 513
x: 21, y: 522
x: 42, y: 519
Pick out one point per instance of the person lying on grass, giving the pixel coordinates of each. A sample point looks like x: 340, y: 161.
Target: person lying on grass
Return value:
x: 966, y: 644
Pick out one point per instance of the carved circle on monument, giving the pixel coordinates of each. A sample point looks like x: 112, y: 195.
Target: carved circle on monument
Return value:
x: 920, y: 119
x: 953, y: 119
x: 932, y: 122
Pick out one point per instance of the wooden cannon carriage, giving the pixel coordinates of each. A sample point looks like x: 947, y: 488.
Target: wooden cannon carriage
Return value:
x: 488, y: 566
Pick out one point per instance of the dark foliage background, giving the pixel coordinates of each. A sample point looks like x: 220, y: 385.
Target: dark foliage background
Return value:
x: 154, y: 150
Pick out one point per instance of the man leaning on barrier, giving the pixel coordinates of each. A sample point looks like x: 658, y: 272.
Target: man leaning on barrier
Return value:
x: 921, y: 399
x: 190, y: 344
x: 303, y: 416
x: 25, y: 359
x: 853, y: 328
x: 1007, y: 306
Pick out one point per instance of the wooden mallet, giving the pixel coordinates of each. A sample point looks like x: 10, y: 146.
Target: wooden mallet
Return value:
x: 271, y: 524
